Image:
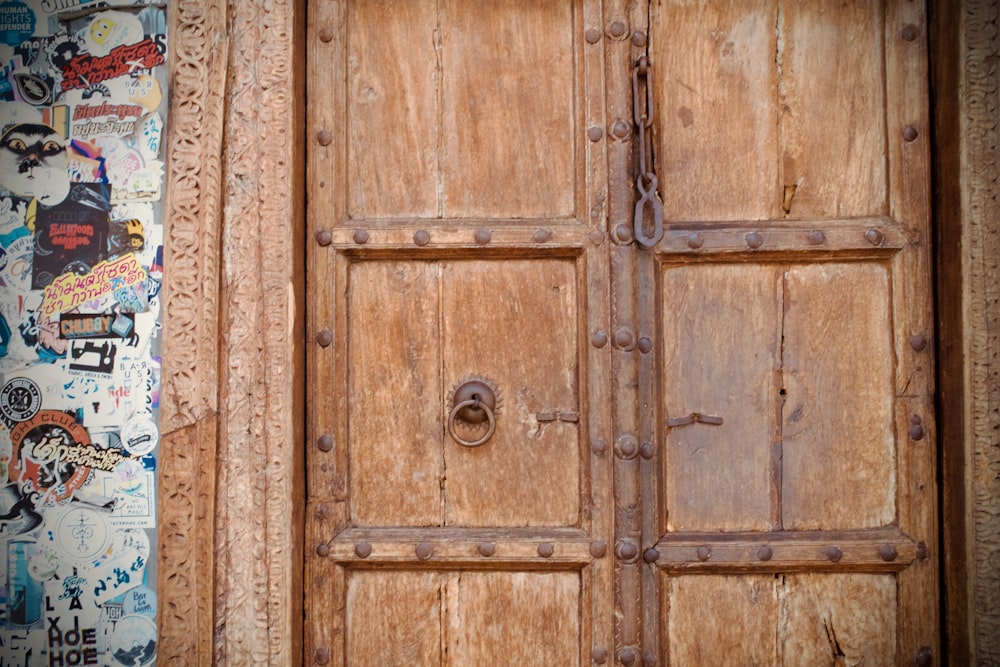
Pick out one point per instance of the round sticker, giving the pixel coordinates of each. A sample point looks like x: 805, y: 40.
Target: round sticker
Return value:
x: 139, y: 600
x: 20, y: 399
x: 83, y: 534
x: 133, y: 641
x: 140, y: 436
x: 45, y: 449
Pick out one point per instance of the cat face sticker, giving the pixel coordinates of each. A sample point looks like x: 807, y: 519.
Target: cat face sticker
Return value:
x: 33, y: 163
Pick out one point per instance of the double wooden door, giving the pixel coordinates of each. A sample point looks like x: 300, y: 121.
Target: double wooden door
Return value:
x: 533, y: 440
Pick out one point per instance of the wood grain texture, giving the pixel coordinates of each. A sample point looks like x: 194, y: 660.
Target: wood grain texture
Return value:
x: 715, y: 95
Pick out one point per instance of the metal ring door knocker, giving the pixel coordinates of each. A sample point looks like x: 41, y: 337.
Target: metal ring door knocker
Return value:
x: 473, y: 404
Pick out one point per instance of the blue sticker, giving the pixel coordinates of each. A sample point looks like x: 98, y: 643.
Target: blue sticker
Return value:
x: 17, y: 23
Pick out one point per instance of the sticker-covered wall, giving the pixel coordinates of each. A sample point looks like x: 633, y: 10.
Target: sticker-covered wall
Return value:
x: 82, y: 116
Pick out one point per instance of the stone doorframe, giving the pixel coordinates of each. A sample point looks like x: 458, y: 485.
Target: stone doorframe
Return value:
x: 230, y: 547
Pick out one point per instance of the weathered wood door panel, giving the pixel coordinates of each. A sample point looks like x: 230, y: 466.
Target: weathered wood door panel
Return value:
x: 457, y: 210
x: 715, y: 451
x: 795, y: 488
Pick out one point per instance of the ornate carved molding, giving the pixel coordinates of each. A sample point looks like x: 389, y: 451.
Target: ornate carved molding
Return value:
x: 188, y: 418
x: 981, y: 238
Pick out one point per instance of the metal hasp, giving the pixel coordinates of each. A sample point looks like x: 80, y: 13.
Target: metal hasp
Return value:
x: 646, y: 182
x: 474, y: 402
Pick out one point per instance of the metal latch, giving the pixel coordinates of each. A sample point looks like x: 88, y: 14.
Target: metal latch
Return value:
x: 646, y: 182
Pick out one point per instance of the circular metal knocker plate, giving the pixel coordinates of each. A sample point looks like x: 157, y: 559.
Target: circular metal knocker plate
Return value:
x: 472, y: 411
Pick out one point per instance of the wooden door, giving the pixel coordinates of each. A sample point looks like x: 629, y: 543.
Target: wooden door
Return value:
x: 457, y: 204
x: 716, y: 450
x: 791, y: 393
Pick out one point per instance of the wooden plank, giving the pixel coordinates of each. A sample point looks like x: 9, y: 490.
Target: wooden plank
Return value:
x: 830, y: 88
x: 514, y: 322
x: 393, y: 115
x: 720, y: 620
x: 394, y: 393
x: 508, y: 91
x: 716, y: 109
x: 721, y: 349
x: 394, y: 618
x: 838, y: 449
x: 839, y: 620
x: 516, y: 618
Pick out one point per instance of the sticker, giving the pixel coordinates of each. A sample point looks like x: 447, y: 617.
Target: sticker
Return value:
x: 140, y: 436
x: 50, y: 454
x: 82, y: 535
x: 17, y: 23
x: 133, y: 641
x: 134, y: 493
x: 20, y: 399
x: 140, y: 600
x: 95, y: 325
x: 24, y: 593
x: 70, y: 291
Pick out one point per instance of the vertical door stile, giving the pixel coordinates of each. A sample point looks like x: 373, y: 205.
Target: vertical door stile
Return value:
x: 648, y: 390
x: 598, y: 639
x: 909, y: 202
x: 620, y: 19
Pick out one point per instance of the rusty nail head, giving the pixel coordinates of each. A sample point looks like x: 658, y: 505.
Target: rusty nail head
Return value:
x: 360, y: 236
x: 704, y: 553
x: 651, y: 555
x: 541, y: 235
x: 816, y: 237
x: 323, y: 550
x: 909, y: 32
x: 483, y: 236
x: 648, y: 659
x: 599, y: 654
x: 916, y: 432
x: 645, y: 344
x: 324, y: 237
x: 887, y: 552
x: 874, y: 236
x: 325, y: 443
x: 627, y: 446
x: 626, y: 551
x: 922, y: 550
x: 324, y: 338
x: 918, y: 342
x: 422, y: 237
x: 627, y: 656
x: 696, y: 240
x: 326, y: 34
x: 925, y: 658
x: 598, y: 548
x: 487, y: 548
x: 424, y: 551
x: 834, y: 554
x: 597, y: 237
x: 623, y: 233
x: 910, y: 133
x: 617, y: 28
x: 755, y: 240
x: 620, y: 129
x: 623, y: 337
x: 598, y: 446
x: 765, y: 553
x: 545, y: 549
x: 324, y: 137
x: 647, y: 450
x: 363, y: 549
x: 321, y: 656
x: 593, y: 36
x: 639, y: 38
x: 599, y: 339
x: 594, y: 133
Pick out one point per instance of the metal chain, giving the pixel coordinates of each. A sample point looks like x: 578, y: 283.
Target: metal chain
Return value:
x: 646, y: 182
